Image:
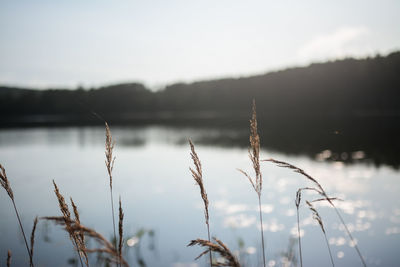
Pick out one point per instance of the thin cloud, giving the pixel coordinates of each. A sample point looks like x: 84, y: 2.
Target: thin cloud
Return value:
x: 343, y: 42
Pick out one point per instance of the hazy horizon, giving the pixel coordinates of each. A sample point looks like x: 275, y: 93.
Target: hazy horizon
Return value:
x: 69, y: 43
x: 201, y: 79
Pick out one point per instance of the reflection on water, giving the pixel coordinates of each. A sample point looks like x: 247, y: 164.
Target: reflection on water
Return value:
x: 163, y: 209
x: 355, y: 144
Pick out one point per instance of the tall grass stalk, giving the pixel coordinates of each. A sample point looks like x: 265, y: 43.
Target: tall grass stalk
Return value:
x: 5, y: 183
x: 254, y: 155
x: 198, y: 177
x: 351, y: 237
x: 322, y: 192
x: 110, y: 143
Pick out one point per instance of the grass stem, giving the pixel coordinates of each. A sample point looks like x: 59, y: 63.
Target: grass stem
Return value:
x: 262, y: 230
x: 113, y: 218
x: 23, y: 233
x: 351, y: 237
x: 299, y: 236
x: 329, y: 249
x: 209, y: 239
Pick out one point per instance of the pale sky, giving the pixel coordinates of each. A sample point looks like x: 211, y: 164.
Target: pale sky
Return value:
x: 66, y: 43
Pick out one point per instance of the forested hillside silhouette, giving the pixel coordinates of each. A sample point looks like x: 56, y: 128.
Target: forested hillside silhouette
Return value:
x: 345, y: 105
x: 340, y: 89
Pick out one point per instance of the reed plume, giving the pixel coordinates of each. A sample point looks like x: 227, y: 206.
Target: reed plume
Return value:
x: 8, y: 258
x: 256, y: 182
x: 218, y: 247
x: 66, y: 216
x: 198, y: 177
x: 121, y: 230
x: 110, y: 143
x: 75, y: 227
x: 33, y: 238
x: 325, y: 197
x: 5, y: 183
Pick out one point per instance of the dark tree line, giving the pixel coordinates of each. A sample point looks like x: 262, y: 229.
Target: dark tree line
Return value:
x: 345, y: 105
x: 335, y: 90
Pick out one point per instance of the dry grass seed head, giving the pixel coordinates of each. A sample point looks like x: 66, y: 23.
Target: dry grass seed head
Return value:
x: 79, y: 236
x: 74, y: 236
x: 63, y: 205
x: 254, y: 150
x: 5, y: 183
x: 198, y: 177
x: 254, y: 153
x: 110, y: 143
x: 298, y: 198
x: 218, y: 247
x: 316, y: 215
x: 75, y: 209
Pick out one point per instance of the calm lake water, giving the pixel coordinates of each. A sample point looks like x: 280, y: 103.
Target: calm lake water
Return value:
x: 162, y: 204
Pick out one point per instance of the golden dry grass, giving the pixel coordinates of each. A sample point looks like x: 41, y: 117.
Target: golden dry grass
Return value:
x: 218, y: 247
